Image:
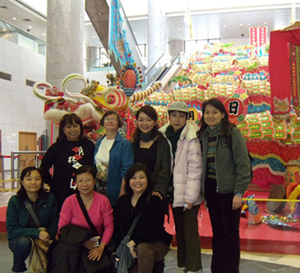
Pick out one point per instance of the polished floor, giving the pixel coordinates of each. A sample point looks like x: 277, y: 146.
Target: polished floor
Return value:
x: 250, y: 263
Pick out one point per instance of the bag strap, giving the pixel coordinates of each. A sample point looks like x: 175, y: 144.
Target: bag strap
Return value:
x: 85, y: 213
x: 136, y: 218
x: 132, y: 227
x: 36, y: 220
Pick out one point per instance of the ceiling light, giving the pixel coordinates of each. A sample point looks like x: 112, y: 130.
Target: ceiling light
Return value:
x: 265, y: 23
x: 241, y: 25
x: 4, y: 29
x: 44, y: 34
x: 225, y: 26
x: 94, y: 36
x: 249, y: 24
x: 178, y: 29
x: 14, y: 18
x: 29, y: 26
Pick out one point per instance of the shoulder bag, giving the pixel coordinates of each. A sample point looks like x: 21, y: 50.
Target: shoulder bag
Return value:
x: 90, y: 265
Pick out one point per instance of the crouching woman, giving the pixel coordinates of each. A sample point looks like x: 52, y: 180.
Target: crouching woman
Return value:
x: 21, y: 226
x: 149, y: 242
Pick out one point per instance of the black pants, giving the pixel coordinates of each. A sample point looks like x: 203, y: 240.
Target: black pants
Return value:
x: 225, y: 225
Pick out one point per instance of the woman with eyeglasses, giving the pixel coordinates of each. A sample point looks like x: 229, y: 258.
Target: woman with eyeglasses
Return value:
x: 71, y: 150
x: 113, y: 157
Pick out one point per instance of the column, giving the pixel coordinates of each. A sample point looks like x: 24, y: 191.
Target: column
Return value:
x: 157, y: 34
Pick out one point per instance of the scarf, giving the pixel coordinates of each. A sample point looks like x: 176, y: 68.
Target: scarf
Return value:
x: 173, y: 137
x: 147, y: 136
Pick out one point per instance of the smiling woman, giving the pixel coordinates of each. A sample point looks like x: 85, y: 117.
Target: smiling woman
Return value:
x: 71, y: 150
x: 149, y: 238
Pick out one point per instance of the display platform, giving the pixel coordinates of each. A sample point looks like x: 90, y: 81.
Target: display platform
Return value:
x: 254, y: 238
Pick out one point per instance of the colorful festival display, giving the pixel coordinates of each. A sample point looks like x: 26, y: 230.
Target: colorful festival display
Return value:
x: 237, y: 75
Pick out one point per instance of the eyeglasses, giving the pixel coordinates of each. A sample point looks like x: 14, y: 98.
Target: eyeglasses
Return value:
x: 110, y: 119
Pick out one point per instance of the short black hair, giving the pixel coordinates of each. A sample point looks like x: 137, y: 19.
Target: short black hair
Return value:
x: 86, y: 169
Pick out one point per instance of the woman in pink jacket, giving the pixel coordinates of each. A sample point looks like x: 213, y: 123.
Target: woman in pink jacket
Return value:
x: 186, y: 199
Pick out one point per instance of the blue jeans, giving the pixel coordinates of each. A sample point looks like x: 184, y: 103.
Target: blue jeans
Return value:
x: 21, y: 248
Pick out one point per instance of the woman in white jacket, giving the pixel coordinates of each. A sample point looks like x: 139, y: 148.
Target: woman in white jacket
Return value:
x: 187, y: 170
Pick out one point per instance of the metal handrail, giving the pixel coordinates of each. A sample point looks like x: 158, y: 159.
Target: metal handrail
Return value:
x: 12, y: 163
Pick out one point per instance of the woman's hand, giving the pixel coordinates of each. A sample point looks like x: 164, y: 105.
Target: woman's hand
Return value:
x: 156, y: 193
x: 237, y: 202
x: 44, y: 236
x: 96, y: 253
x: 131, y: 245
x: 90, y: 244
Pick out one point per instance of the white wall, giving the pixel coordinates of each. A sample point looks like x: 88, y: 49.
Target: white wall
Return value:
x: 20, y: 110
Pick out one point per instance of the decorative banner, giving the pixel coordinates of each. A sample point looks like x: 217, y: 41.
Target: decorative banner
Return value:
x: 258, y: 36
x: 284, y: 71
x: 295, y: 76
x: 117, y: 37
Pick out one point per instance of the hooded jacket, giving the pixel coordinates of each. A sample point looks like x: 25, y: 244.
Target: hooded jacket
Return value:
x: 187, y: 166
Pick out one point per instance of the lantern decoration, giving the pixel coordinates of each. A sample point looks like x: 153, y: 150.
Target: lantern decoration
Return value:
x: 130, y: 78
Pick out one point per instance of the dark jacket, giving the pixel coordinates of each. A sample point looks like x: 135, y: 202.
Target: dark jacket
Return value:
x: 162, y: 170
x: 17, y: 217
x: 66, y: 157
x: 232, y: 167
x: 150, y: 226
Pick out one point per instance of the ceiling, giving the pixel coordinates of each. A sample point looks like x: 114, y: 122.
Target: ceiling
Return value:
x: 208, y: 24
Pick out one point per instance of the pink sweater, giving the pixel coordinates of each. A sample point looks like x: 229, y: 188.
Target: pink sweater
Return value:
x: 100, y: 212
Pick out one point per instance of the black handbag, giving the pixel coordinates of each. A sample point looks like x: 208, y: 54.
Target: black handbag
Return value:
x: 86, y: 263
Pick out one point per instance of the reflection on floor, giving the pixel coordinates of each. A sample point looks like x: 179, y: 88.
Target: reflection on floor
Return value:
x: 254, y: 263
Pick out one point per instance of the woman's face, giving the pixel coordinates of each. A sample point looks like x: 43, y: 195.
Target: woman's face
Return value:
x: 72, y: 131
x: 212, y: 116
x: 32, y: 182
x: 85, y: 183
x: 111, y: 122
x: 145, y: 123
x: 138, y: 182
x: 177, y: 120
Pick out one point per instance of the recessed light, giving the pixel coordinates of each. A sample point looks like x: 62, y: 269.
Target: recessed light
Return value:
x: 225, y: 26
x: 241, y: 25
x: 14, y: 18
x: 4, y: 29
x: 44, y: 34
x: 178, y: 29
x: 249, y: 24
x: 29, y: 26
x: 265, y: 23
x: 94, y: 36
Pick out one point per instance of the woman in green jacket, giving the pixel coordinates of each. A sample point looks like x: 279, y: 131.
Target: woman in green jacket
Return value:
x: 21, y: 227
x: 152, y: 149
x: 225, y: 177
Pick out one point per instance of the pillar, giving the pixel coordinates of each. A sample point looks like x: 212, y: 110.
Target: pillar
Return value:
x: 157, y: 34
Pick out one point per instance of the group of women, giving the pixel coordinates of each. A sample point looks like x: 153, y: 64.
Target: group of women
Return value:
x: 162, y: 166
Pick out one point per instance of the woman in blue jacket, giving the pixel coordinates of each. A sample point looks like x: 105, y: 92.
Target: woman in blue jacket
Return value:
x: 225, y: 177
x: 21, y: 227
x: 113, y: 157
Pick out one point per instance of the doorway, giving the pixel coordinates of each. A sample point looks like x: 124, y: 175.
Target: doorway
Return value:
x: 27, y: 142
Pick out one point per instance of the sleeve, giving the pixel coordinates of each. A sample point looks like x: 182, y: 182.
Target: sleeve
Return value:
x: 90, y: 153
x: 241, y: 162
x: 66, y: 212
x: 150, y: 225
x: 126, y: 157
x: 108, y: 221
x: 52, y: 228
x: 194, y: 171
x: 13, y: 227
x: 47, y: 162
x: 162, y: 177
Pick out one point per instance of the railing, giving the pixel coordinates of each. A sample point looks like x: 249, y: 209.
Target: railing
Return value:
x: 15, y: 166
